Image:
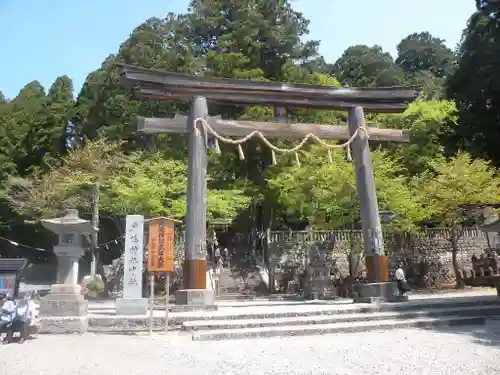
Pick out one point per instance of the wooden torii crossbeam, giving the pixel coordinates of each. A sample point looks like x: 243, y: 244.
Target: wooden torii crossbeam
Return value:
x: 153, y: 84
x: 232, y: 128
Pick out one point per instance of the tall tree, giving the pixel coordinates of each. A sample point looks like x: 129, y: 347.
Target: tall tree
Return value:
x: 475, y: 88
x: 249, y: 34
x: 423, y: 52
x: 426, y: 61
x: 361, y: 65
x: 33, y: 126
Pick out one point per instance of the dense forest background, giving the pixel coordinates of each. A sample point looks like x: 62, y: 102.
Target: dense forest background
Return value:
x: 61, y: 150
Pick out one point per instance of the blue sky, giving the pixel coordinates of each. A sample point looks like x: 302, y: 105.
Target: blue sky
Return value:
x: 42, y: 39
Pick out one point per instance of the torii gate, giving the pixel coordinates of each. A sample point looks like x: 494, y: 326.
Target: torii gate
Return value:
x: 161, y: 85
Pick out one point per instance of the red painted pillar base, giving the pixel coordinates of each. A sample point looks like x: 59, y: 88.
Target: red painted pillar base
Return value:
x: 377, y: 268
x: 195, y: 274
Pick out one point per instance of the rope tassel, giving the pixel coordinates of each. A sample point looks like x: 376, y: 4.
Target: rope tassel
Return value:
x: 297, y: 160
x: 273, y: 157
x: 217, y: 146
x: 240, y: 153
x: 348, y: 155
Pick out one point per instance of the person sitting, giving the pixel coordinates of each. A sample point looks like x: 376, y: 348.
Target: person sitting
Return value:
x: 403, y: 287
x: 7, y: 315
x: 24, y: 320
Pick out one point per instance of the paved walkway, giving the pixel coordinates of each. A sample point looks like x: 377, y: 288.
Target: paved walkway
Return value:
x: 453, y: 351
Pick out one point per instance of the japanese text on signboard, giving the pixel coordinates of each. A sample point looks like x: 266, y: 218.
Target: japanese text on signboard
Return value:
x: 133, y: 256
x: 161, y: 245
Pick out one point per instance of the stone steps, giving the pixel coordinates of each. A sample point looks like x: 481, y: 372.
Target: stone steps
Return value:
x: 199, y: 325
x: 333, y: 318
x: 268, y: 318
x: 347, y: 327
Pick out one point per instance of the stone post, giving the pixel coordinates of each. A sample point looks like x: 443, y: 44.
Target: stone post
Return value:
x: 132, y: 302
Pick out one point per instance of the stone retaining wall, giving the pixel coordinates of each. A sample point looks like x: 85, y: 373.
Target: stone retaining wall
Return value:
x: 429, y: 251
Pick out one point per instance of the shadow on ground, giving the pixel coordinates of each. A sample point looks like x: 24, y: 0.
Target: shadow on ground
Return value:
x: 488, y: 334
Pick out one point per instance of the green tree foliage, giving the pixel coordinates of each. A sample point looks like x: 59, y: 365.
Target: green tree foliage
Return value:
x: 474, y: 87
x: 452, y: 183
x: 68, y: 183
x: 153, y: 185
x: 138, y: 182
x: 490, y: 8
x: 423, y: 52
x: 256, y: 36
x: 106, y: 108
x: 456, y: 181
x: 33, y: 127
x: 431, y: 123
x: 426, y: 61
x: 325, y: 193
x: 361, y: 65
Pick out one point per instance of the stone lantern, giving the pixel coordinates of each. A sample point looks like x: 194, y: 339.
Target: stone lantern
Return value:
x: 65, y: 299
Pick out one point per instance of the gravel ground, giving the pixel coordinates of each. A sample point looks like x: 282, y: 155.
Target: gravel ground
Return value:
x: 462, y: 350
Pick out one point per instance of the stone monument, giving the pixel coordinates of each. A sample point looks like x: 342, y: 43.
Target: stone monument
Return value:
x: 65, y: 306
x: 132, y: 302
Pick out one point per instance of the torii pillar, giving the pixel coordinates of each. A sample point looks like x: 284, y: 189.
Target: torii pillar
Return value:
x: 195, y: 290
x: 375, y: 258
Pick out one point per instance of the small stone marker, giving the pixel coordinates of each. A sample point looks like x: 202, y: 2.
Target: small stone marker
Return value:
x: 132, y: 302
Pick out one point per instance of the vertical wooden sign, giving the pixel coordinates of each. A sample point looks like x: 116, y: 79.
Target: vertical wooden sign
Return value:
x: 161, y: 245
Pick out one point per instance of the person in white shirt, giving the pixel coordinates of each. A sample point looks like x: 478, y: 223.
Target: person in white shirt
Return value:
x: 217, y: 256
x: 401, y: 280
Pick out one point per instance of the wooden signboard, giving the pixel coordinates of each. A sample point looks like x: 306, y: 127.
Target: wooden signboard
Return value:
x: 161, y: 245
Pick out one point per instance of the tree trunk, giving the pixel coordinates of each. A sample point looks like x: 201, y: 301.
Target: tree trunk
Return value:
x: 454, y: 255
x: 95, y: 234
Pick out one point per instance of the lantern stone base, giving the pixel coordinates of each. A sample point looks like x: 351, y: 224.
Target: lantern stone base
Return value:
x: 64, y: 300
x: 195, y: 297
x: 131, y: 306
x: 64, y: 310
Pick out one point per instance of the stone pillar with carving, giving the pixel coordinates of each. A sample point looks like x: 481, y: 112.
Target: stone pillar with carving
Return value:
x: 65, y: 304
x: 132, y: 302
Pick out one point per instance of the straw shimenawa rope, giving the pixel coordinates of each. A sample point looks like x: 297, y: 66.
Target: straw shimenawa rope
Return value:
x: 258, y: 134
